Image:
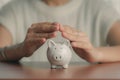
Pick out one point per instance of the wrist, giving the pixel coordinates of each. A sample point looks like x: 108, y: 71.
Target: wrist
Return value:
x: 2, y: 54
x: 23, y: 50
x: 14, y: 53
x: 95, y: 55
x: 99, y: 55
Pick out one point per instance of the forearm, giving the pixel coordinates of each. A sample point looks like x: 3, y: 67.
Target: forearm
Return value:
x: 109, y: 54
x: 5, y: 37
x: 13, y: 53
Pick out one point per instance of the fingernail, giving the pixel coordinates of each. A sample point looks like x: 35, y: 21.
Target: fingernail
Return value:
x: 55, y: 23
x: 53, y: 34
x: 56, y: 28
x: 61, y: 28
x: 73, y: 44
x: 64, y: 34
x: 43, y: 40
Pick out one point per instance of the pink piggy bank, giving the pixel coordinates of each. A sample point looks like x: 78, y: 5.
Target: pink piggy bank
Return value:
x: 59, y: 54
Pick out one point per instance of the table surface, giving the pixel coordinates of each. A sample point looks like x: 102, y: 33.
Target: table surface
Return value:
x: 42, y: 71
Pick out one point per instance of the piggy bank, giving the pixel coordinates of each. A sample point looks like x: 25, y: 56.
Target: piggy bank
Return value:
x: 59, y: 54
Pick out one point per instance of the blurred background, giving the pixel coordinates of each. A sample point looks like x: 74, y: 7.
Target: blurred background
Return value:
x: 3, y: 2
x: 115, y: 3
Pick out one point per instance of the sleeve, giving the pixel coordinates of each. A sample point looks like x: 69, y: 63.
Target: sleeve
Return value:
x: 8, y: 19
x: 106, y: 17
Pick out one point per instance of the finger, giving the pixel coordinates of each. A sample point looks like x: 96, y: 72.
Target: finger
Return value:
x: 71, y: 30
x: 67, y: 29
x: 82, y: 45
x: 44, y: 35
x: 38, y: 41
x: 44, y: 27
x: 73, y: 37
x: 56, y: 24
x: 33, y: 44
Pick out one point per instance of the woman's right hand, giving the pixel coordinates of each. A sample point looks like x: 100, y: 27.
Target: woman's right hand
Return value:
x: 37, y: 35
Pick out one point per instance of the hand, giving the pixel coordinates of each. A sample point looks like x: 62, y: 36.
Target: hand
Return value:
x: 80, y: 43
x: 37, y: 35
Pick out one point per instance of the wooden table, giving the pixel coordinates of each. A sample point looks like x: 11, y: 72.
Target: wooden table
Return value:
x: 42, y: 71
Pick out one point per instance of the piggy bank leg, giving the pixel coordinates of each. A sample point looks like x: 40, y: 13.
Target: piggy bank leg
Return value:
x: 65, y: 66
x: 53, y: 66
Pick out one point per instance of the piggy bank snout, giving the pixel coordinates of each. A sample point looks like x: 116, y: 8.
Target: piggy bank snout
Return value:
x: 57, y: 57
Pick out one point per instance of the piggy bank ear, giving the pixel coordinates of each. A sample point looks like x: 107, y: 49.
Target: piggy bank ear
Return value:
x: 51, y: 43
x: 67, y: 42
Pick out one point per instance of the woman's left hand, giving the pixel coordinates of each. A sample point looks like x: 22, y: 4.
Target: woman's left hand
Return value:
x: 80, y: 43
